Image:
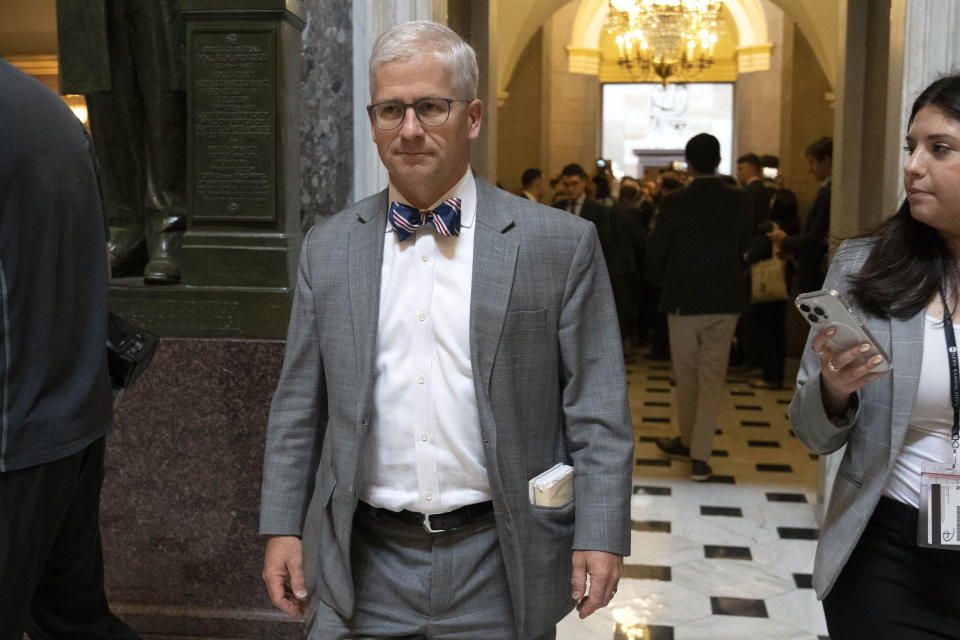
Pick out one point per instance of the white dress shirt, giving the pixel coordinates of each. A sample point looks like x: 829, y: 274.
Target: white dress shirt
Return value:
x: 425, y: 448
x: 931, y: 419
x: 576, y: 206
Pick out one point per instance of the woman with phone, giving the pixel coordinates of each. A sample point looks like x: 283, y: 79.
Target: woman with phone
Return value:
x: 888, y: 560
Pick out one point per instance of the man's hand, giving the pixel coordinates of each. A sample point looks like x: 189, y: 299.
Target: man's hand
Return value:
x: 283, y: 573
x: 604, y: 570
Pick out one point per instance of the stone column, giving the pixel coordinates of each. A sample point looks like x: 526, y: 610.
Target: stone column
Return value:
x: 369, y: 21
x: 327, y: 108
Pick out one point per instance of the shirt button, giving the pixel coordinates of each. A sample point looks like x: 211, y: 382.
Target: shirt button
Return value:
x: 421, y: 380
x: 429, y: 496
x: 424, y: 436
x: 421, y: 317
x: 424, y: 257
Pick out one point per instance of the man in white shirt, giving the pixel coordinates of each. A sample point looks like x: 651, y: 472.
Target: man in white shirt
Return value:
x: 448, y: 342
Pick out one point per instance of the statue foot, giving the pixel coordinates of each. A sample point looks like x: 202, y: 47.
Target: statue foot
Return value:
x: 165, y: 247
x: 128, y: 252
x: 162, y: 270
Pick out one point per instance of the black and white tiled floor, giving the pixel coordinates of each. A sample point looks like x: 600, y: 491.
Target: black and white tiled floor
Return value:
x: 726, y: 559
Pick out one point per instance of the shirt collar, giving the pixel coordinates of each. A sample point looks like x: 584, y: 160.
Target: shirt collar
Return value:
x: 465, y: 189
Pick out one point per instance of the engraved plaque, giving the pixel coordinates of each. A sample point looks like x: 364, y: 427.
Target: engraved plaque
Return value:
x: 234, y: 123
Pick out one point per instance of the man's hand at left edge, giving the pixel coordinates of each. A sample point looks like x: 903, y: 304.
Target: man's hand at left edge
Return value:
x: 604, y: 570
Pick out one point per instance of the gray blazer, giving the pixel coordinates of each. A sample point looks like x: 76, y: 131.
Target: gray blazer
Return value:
x: 873, y: 430
x: 549, y: 378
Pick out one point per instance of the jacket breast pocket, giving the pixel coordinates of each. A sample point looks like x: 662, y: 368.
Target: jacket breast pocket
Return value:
x: 523, y: 320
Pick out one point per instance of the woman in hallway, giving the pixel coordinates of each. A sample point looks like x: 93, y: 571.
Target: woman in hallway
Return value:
x: 873, y: 570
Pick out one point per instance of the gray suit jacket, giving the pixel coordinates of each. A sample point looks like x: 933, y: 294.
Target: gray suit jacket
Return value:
x: 550, y: 386
x: 873, y: 430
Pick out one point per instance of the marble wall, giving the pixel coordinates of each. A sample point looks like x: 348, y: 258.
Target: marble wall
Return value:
x: 181, y: 493
x: 326, y: 109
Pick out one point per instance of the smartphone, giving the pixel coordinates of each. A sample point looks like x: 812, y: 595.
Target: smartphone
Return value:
x: 678, y: 165
x: 770, y: 172
x: 601, y: 163
x: 827, y: 308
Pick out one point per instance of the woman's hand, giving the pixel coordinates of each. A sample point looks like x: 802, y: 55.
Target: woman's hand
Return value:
x: 840, y: 372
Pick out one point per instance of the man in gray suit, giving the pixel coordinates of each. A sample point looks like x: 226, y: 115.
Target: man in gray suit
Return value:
x: 448, y: 342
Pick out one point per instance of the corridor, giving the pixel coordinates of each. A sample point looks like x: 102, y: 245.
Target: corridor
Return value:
x: 726, y: 559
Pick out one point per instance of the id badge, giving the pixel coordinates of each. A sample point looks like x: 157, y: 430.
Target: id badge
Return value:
x: 939, y: 522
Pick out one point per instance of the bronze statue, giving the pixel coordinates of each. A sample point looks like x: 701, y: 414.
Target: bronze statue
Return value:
x: 128, y: 58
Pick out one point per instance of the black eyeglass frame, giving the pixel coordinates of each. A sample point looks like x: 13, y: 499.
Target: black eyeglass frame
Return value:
x: 411, y: 105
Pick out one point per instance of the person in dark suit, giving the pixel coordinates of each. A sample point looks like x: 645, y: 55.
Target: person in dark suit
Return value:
x: 574, y: 181
x: 747, y: 352
x: 534, y: 186
x: 810, y: 246
x: 770, y: 328
x: 750, y: 178
x: 701, y: 235
x: 623, y: 252
x: 448, y: 342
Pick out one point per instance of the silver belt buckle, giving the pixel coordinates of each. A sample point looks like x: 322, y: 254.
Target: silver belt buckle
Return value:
x: 426, y: 525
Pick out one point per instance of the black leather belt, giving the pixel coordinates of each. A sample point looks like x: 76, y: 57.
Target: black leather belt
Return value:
x: 437, y: 522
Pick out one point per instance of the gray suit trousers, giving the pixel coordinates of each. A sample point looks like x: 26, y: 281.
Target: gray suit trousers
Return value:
x: 413, y: 584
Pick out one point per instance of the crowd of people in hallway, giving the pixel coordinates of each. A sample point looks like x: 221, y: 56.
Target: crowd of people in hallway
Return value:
x: 626, y: 211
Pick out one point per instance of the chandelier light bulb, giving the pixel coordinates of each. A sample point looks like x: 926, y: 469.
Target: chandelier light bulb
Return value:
x: 665, y: 38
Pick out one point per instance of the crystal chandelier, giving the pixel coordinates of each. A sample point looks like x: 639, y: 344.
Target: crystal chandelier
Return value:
x: 671, y: 38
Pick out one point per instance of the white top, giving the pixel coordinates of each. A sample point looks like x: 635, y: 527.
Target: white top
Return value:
x: 425, y: 447
x: 931, y: 420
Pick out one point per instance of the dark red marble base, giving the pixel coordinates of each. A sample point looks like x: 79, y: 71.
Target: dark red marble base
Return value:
x: 181, y: 496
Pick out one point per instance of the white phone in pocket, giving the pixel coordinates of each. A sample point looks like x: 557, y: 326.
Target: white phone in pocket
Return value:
x: 826, y: 308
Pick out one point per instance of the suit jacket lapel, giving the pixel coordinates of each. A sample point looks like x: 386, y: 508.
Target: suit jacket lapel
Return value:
x: 365, y: 258
x: 494, y: 260
x: 906, y: 339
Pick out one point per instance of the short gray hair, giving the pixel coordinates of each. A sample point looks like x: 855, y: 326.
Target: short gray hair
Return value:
x: 412, y: 38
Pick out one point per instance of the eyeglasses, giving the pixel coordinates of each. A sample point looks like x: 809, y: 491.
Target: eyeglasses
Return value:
x: 431, y: 112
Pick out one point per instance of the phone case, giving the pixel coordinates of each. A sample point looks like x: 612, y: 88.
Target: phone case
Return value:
x: 826, y: 308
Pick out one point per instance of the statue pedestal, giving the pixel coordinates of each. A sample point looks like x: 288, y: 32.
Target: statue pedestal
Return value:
x: 180, y: 503
x: 187, y: 311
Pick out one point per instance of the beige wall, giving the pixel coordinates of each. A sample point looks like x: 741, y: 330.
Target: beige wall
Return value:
x: 518, y: 137
x: 571, y: 101
x: 757, y: 97
x: 805, y: 113
x: 27, y: 27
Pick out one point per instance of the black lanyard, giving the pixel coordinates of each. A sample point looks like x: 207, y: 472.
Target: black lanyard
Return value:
x: 954, y: 369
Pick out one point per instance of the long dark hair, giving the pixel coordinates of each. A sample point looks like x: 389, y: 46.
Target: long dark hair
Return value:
x: 909, y: 259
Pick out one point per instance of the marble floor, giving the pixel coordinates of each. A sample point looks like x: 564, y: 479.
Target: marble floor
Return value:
x: 726, y: 559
